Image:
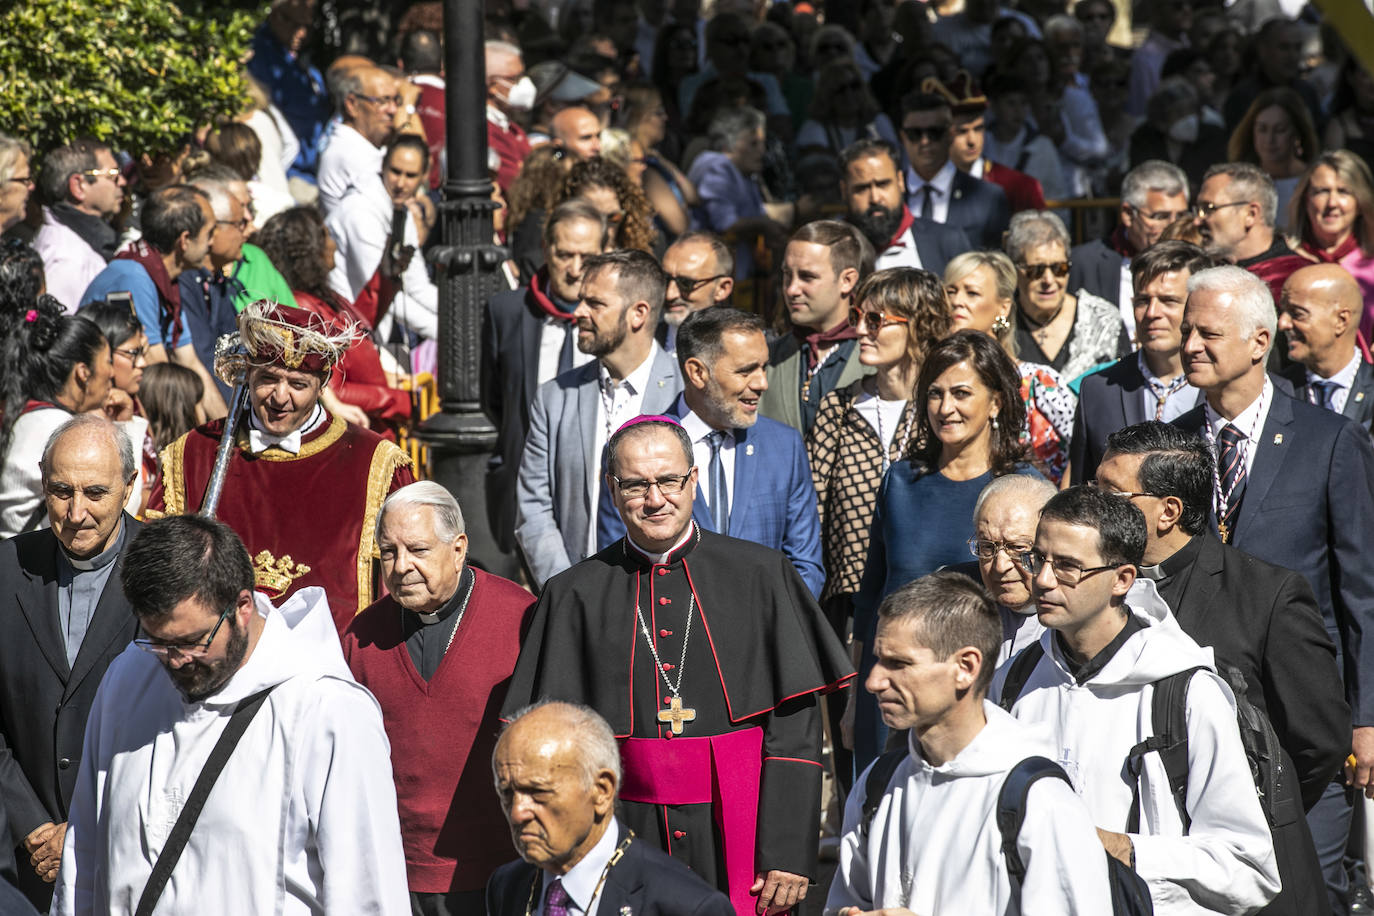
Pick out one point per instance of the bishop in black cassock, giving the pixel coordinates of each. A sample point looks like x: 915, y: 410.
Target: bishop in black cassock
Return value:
x: 707, y: 655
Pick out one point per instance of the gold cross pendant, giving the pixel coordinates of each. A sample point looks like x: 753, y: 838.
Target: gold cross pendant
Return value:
x: 677, y: 715
x: 1221, y: 530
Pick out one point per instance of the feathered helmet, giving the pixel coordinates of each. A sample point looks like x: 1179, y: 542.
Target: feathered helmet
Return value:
x: 961, y: 93
x: 271, y: 334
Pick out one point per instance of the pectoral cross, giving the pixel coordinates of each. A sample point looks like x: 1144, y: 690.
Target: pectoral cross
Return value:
x: 1221, y: 530
x: 676, y: 715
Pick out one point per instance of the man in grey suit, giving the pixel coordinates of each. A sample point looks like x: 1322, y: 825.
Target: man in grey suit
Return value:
x: 1320, y: 315
x: 574, y: 414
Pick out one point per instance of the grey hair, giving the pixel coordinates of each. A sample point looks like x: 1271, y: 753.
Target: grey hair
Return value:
x: 1035, y: 227
x: 11, y: 148
x: 730, y: 123
x: 1153, y: 175
x: 1063, y: 23
x: 1254, y: 302
x: 496, y: 46
x: 343, y: 83
x: 214, y: 189
x: 1031, y: 491
x: 596, y: 746
x: 448, y: 516
x: 1249, y: 183
x: 128, y: 467
x: 60, y: 164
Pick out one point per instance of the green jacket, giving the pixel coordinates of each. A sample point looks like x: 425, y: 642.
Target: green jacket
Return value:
x: 260, y: 279
x: 782, y: 400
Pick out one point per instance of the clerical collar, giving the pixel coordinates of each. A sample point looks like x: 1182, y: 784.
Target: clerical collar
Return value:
x: 102, y: 559
x: 259, y: 440
x: 664, y: 559
x: 1086, y: 671
x: 466, y: 579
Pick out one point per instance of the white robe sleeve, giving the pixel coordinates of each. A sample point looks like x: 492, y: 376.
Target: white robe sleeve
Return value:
x: 1066, y: 866
x: 74, y: 893
x: 350, y: 802
x: 852, y: 885
x: 1226, y: 862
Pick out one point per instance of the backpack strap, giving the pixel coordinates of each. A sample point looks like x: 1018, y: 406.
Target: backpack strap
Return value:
x: 1011, y: 808
x: 1169, y: 718
x: 875, y: 786
x: 1018, y: 673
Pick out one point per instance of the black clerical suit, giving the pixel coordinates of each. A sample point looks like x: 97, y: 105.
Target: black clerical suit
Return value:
x: 645, y: 882
x: 758, y: 652
x: 1263, y: 621
x: 44, y: 703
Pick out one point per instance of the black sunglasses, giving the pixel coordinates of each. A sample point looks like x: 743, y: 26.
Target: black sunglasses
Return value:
x: 916, y: 134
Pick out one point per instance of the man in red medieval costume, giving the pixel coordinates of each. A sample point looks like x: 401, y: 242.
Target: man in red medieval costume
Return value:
x: 287, y: 446
x: 707, y: 655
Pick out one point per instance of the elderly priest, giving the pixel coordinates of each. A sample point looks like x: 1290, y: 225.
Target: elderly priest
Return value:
x: 722, y: 767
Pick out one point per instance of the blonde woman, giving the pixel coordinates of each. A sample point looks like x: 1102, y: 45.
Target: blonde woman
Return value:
x: 1333, y: 214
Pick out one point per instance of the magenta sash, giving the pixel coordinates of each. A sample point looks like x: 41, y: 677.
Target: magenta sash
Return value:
x: 719, y: 770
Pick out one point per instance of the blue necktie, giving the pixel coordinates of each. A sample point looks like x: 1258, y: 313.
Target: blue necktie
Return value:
x: 1324, y: 394
x: 720, y: 496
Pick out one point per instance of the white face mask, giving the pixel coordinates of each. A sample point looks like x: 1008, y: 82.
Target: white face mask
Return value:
x: 521, y: 96
x: 1184, y: 130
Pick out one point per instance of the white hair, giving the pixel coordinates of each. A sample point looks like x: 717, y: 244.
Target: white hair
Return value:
x: 127, y: 466
x: 589, y: 734
x: 218, y: 192
x: 1031, y: 228
x: 448, y: 516
x: 1153, y: 175
x: 1254, y: 303
x: 1033, y: 492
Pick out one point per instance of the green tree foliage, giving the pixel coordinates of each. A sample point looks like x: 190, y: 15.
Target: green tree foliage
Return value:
x: 139, y: 74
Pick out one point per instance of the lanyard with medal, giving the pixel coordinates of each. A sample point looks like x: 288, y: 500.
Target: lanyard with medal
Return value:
x: 1221, y: 500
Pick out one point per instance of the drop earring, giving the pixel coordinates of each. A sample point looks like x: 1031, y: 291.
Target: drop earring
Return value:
x: 1000, y: 324
x: 994, y: 422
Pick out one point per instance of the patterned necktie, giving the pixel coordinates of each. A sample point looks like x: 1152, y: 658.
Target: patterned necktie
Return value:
x: 556, y: 899
x: 1324, y: 393
x: 927, y: 206
x: 1231, y: 464
x: 720, y: 496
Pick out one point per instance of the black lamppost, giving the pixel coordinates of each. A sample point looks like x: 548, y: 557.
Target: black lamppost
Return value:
x: 469, y: 263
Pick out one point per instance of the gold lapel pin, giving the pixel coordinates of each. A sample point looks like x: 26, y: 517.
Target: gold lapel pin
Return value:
x: 1359, y: 396
x: 1278, y: 438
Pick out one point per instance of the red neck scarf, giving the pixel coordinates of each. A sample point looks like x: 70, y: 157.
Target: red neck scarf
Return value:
x: 167, y: 291
x: 813, y: 341
x: 1120, y: 243
x: 907, y: 220
x: 1334, y: 257
x: 41, y: 405
x: 545, y: 300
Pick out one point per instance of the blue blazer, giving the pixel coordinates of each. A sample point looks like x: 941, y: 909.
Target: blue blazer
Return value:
x: 1308, y: 506
x: 772, y: 500
x: 977, y: 207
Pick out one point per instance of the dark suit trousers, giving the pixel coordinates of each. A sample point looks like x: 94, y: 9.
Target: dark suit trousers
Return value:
x: 1329, y: 821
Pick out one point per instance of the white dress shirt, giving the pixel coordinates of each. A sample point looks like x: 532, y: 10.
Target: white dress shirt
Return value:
x: 1125, y: 299
x: 941, y: 186
x: 700, y: 433
x: 615, y: 404
x: 582, y: 879
x: 1249, y: 421
x: 259, y: 440
x: 551, y: 337
x: 901, y: 253
x: 1344, y: 380
x: 350, y: 160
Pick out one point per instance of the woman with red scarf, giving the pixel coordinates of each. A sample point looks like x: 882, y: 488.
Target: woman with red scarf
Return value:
x: 301, y: 248
x: 1333, y: 213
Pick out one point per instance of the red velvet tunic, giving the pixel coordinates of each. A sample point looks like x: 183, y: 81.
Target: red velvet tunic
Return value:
x: 306, y: 519
x: 443, y: 731
x: 1023, y: 191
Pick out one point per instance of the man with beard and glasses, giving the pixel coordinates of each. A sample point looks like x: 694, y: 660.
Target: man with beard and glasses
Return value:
x: 302, y: 817
x: 573, y: 416
x: 875, y: 193
x: 701, y: 273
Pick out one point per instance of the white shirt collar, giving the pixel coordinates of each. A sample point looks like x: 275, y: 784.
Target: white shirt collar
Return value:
x: 976, y: 170
x: 259, y: 440
x: 698, y: 429
x: 1245, y: 421
x: 638, y: 380
x: 581, y: 880
x: 498, y: 117
x: 942, y: 182
x: 659, y: 559
x: 1343, y: 379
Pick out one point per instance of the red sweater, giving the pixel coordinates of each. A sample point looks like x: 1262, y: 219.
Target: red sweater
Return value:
x: 443, y: 732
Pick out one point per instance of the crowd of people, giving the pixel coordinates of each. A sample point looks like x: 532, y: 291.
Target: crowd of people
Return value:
x: 979, y: 409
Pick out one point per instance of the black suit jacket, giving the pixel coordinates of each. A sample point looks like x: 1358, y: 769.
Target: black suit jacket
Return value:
x: 937, y: 244
x: 1263, y: 620
x: 1096, y: 268
x: 44, y: 704
x: 978, y: 208
x: 511, y: 328
x: 1308, y: 506
x: 645, y: 882
x: 1359, y: 405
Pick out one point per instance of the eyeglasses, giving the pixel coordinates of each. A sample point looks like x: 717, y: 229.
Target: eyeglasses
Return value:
x: 916, y: 134
x: 988, y: 550
x: 186, y: 650
x: 635, y: 488
x: 1125, y: 494
x: 133, y: 355
x: 241, y: 225
x: 1035, y: 271
x: 112, y: 174
x: 1206, y: 208
x: 1065, y: 571
x: 1161, y: 216
x: 873, y: 322
x: 688, y: 285
x: 381, y: 101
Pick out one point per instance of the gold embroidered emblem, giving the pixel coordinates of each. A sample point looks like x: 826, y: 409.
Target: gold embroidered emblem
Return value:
x: 273, y: 576
x: 291, y: 355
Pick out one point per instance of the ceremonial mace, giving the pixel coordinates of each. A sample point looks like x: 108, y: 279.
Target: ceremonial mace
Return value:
x: 231, y: 365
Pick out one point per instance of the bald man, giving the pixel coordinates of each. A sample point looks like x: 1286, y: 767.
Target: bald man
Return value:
x: 578, y: 131
x: 1319, y: 313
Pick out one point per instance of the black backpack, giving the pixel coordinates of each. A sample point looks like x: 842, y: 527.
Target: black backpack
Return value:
x: 1130, y: 894
x: 1168, y: 712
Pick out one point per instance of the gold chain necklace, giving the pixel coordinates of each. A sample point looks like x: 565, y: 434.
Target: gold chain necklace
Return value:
x: 615, y: 857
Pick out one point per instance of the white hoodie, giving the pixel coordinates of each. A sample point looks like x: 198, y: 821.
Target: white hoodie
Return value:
x: 933, y: 846
x: 1225, y: 863
x: 303, y: 817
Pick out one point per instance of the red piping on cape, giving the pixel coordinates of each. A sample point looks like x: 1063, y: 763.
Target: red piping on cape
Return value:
x: 814, y: 763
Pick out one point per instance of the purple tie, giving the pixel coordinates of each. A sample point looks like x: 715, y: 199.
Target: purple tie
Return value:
x: 556, y: 899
